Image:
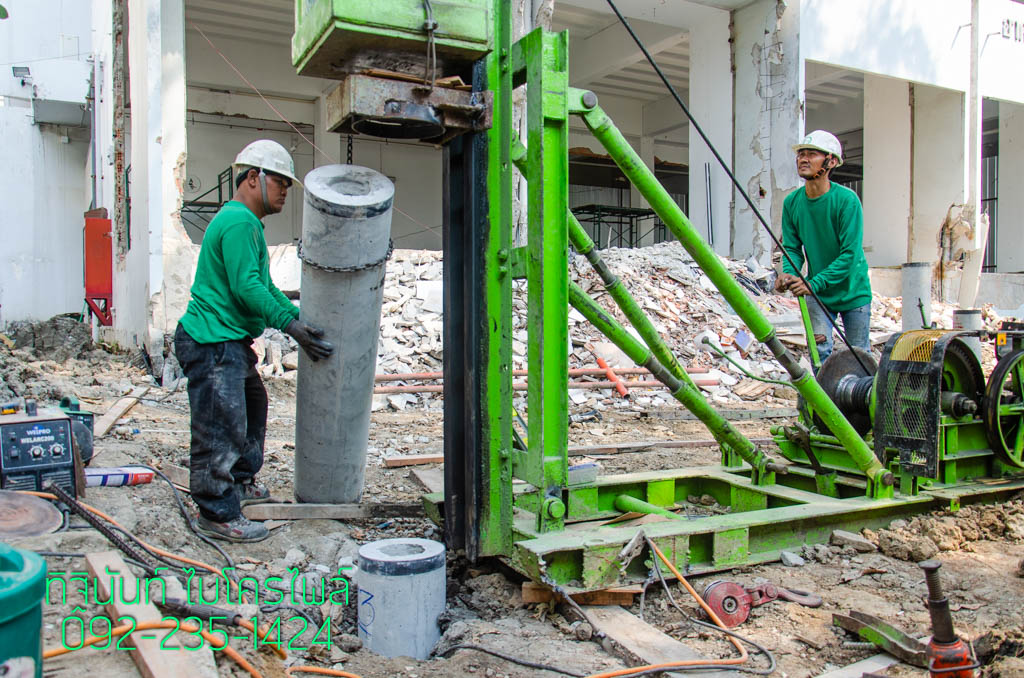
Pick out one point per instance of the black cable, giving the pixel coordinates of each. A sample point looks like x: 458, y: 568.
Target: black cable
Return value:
x: 735, y: 181
x: 187, y: 517
x: 514, y: 660
x: 102, y: 527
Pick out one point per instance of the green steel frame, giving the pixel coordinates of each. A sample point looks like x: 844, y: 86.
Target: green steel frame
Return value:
x: 553, y: 531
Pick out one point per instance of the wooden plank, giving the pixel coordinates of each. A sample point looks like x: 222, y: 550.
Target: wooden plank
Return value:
x: 331, y: 511
x: 152, y: 661
x: 179, y: 475
x: 432, y: 479
x: 642, y: 643
x: 395, y: 461
x: 856, y: 670
x: 623, y: 595
x: 107, y: 421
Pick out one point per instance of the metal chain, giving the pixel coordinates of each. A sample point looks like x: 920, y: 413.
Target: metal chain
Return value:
x: 345, y: 269
x: 429, y: 26
x: 349, y: 157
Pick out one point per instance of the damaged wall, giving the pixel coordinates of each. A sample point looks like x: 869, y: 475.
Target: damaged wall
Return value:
x: 769, y: 118
x: 43, y: 192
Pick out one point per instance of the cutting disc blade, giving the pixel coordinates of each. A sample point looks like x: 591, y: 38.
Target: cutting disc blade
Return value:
x: 22, y: 515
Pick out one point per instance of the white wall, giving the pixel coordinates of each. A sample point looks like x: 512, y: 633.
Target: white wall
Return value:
x: 1010, y: 233
x: 887, y: 136
x: 924, y: 42
x: 41, y: 177
x: 938, y: 166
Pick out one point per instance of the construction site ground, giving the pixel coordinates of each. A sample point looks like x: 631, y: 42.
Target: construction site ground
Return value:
x: 981, y: 547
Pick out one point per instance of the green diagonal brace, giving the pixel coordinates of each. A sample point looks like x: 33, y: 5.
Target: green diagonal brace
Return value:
x: 641, y: 176
x: 689, y: 396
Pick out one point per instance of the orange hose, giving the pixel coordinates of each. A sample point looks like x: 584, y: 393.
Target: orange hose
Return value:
x: 118, y: 631
x: 321, y: 671
x: 693, y: 662
x: 612, y: 377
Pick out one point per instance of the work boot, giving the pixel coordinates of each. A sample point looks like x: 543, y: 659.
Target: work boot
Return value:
x: 251, y: 493
x: 241, y: 529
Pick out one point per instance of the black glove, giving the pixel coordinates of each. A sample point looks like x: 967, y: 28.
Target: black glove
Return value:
x: 308, y: 337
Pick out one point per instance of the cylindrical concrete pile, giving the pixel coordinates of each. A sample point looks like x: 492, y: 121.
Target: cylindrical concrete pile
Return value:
x: 401, y: 594
x: 346, y: 229
x: 917, y: 290
x: 969, y: 319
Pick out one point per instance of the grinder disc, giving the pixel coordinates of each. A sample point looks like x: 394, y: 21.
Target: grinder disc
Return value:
x: 837, y: 366
x: 22, y: 515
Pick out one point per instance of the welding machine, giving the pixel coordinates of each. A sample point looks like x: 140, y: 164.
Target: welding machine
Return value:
x: 36, y: 449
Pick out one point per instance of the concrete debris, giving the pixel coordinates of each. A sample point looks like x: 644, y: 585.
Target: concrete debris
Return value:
x: 59, y: 338
x: 790, y: 559
x: 844, y: 538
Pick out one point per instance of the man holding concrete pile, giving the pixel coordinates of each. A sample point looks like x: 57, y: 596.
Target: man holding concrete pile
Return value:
x: 233, y: 301
x: 825, y: 222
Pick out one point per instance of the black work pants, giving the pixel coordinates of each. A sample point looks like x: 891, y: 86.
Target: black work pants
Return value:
x: 229, y: 421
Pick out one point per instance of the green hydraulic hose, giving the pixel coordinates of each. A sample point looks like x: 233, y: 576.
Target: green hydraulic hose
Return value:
x: 605, y: 131
x: 689, y: 396
x: 613, y: 284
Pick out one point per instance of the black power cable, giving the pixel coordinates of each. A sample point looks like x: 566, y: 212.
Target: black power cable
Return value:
x: 735, y: 181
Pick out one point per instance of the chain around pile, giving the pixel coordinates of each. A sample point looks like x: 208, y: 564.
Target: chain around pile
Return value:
x: 346, y: 269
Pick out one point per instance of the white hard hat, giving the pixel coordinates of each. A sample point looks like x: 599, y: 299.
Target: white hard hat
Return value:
x: 267, y: 155
x: 823, y: 141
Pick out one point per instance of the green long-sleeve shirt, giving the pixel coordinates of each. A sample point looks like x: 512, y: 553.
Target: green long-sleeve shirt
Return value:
x: 830, y: 230
x: 233, y: 296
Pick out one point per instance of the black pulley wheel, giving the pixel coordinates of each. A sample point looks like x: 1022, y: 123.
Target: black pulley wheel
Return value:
x: 840, y: 364
x: 1004, y: 409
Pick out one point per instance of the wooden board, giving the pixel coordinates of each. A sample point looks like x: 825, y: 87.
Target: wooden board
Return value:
x: 622, y: 595
x: 179, y: 475
x: 432, y: 479
x: 110, y: 417
x: 172, y: 660
x: 644, y: 642
x: 331, y: 511
x: 395, y: 461
x: 751, y: 389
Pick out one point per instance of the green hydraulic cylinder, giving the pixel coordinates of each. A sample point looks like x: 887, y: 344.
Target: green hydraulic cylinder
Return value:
x: 689, y: 396
x: 615, y: 287
x: 628, y: 504
x: 605, y: 131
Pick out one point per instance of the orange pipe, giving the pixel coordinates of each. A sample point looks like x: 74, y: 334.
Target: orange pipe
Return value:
x: 612, y: 377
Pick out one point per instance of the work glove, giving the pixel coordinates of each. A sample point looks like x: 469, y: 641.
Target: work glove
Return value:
x: 308, y: 337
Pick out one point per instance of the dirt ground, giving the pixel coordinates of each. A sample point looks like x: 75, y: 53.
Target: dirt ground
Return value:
x: 980, y: 549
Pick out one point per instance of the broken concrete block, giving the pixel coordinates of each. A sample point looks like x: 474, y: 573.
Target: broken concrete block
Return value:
x: 844, y: 538
x: 290, y: 361
x: 790, y: 559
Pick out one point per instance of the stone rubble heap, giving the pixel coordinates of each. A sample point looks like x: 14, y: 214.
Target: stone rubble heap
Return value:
x: 677, y: 296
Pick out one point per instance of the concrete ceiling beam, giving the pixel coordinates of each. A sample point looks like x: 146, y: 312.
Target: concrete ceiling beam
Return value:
x: 612, y: 49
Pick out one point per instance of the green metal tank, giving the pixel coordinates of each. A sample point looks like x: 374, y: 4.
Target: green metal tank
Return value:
x: 22, y: 587
x: 334, y: 38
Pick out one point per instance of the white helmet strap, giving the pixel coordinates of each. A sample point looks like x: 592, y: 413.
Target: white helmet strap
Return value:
x: 263, y: 188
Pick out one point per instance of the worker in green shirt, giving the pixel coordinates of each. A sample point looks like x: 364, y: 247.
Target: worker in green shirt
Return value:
x: 823, y: 224
x: 233, y: 301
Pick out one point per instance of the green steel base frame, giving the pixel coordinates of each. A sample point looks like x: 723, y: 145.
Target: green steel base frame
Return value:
x: 554, y: 532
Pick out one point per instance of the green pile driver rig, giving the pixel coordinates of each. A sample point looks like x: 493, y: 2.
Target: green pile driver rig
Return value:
x: 919, y: 430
